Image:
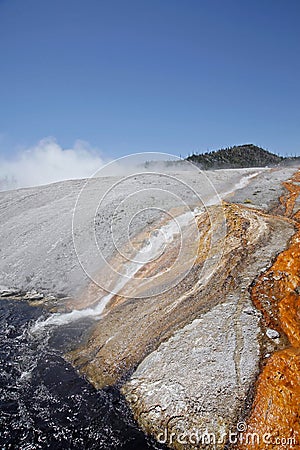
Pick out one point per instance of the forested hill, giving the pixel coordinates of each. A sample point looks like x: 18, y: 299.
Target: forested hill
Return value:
x: 248, y: 155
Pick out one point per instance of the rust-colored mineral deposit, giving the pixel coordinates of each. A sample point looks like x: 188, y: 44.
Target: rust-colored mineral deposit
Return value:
x: 275, y: 415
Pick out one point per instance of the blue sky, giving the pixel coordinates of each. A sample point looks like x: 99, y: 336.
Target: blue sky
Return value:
x: 133, y: 76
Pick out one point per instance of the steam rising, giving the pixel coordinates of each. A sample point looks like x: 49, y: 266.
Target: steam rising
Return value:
x: 48, y: 162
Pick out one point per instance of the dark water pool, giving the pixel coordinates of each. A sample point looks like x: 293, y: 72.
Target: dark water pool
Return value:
x: 44, y: 403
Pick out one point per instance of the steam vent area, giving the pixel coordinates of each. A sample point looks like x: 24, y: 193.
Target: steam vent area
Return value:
x: 185, y: 286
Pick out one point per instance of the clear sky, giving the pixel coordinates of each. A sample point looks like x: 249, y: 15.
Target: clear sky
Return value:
x: 150, y: 75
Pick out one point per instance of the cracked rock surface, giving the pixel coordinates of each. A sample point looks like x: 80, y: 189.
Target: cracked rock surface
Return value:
x: 198, y: 380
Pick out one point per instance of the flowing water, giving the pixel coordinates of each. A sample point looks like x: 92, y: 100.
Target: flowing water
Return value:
x: 155, y: 246
x: 152, y: 249
x: 44, y: 403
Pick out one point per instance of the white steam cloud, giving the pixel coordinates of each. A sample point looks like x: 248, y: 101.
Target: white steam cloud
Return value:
x: 48, y: 162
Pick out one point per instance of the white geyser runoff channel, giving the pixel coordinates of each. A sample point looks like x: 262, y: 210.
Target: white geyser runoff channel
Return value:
x: 153, y: 248
x: 150, y: 251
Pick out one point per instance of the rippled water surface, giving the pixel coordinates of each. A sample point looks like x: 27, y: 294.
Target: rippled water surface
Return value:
x: 43, y: 401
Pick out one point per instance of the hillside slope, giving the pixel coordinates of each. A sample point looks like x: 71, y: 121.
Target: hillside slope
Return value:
x: 240, y: 156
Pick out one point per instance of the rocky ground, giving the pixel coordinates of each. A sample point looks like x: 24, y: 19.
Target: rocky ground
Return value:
x: 200, y: 378
x: 37, y: 250
x: 186, y: 350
